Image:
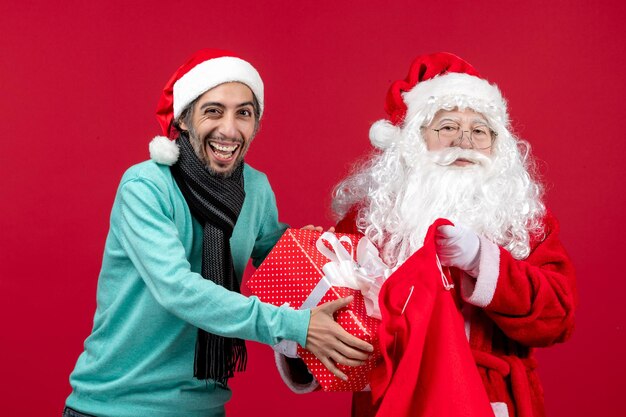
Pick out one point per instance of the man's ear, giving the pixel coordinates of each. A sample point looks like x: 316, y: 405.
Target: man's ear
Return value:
x: 183, y: 125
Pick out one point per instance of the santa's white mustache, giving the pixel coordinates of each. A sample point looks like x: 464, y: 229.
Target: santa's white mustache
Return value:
x: 447, y: 156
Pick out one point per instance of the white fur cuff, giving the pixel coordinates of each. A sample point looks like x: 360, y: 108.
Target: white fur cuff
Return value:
x: 480, y: 291
x: 283, y: 370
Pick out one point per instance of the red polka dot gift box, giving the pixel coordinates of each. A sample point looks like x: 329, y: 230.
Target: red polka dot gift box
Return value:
x: 308, y: 268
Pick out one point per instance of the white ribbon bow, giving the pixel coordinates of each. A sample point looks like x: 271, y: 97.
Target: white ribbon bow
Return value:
x: 367, y: 274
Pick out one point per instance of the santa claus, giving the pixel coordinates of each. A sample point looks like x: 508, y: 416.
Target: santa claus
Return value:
x: 447, y: 151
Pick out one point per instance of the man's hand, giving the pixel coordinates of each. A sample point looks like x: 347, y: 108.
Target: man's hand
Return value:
x: 317, y: 228
x: 459, y: 247
x: 331, y: 343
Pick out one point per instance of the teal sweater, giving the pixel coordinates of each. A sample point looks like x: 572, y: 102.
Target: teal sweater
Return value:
x: 151, y: 298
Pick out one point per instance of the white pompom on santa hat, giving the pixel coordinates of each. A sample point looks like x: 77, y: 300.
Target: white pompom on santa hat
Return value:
x: 436, y: 81
x: 203, y: 71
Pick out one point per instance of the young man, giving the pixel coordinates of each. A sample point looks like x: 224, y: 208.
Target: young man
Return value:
x: 447, y: 151
x: 170, y: 320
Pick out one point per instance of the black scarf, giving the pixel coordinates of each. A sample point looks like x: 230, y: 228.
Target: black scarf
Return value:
x: 216, y: 203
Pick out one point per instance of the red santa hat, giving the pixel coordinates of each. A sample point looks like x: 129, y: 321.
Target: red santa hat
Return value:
x: 204, y: 70
x: 434, y: 82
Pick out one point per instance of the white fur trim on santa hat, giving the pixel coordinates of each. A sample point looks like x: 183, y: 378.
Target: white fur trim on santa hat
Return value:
x: 383, y: 134
x: 212, y: 73
x: 163, y: 150
x: 459, y: 90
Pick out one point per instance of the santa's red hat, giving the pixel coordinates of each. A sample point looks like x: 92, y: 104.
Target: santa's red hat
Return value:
x: 204, y: 70
x: 437, y: 81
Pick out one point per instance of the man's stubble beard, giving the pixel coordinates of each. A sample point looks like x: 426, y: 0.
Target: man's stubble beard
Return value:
x: 199, y: 148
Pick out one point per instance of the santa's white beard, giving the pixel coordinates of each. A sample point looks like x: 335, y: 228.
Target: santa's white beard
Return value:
x: 490, y: 200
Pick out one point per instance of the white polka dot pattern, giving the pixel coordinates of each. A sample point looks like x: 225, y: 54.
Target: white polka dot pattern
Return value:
x: 289, y: 274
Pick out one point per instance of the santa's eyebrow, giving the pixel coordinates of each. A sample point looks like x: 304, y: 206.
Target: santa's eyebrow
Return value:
x: 457, y: 120
x: 450, y: 119
x: 480, y: 121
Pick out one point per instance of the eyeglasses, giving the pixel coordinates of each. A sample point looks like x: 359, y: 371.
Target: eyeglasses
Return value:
x: 480, y: 137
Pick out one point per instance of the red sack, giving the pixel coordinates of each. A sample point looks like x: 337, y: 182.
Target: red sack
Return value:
x: 428, y: 367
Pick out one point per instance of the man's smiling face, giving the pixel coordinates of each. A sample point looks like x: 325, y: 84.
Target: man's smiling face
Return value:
x: 221, y: 126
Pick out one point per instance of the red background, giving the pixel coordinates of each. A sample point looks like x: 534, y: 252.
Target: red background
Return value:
x: 79, y: 84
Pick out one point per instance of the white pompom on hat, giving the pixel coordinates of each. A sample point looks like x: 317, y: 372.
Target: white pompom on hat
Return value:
x: 383, y: 133
x: 436, y: 81
x: 204, y: 70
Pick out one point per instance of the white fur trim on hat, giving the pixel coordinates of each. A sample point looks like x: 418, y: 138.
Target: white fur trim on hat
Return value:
x: 163, y: 150
x: 459, y: 89
x: 383, y: 134
x: 212, y: 73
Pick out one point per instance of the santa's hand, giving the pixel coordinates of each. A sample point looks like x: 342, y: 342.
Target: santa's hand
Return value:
x: 330, y: 343
x: 459, y: 247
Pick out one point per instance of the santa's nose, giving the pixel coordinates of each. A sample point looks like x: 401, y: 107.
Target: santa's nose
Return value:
x: 464, y: 141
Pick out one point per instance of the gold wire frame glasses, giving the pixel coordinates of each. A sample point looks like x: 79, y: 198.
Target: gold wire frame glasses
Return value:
x: 480, y: 137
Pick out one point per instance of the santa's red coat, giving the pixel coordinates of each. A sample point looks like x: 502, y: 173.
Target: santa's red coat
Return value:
x: 512, y: 307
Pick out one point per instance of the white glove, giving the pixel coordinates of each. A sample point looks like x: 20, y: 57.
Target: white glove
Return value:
x: 286, y: 347
x: 459, y: 247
